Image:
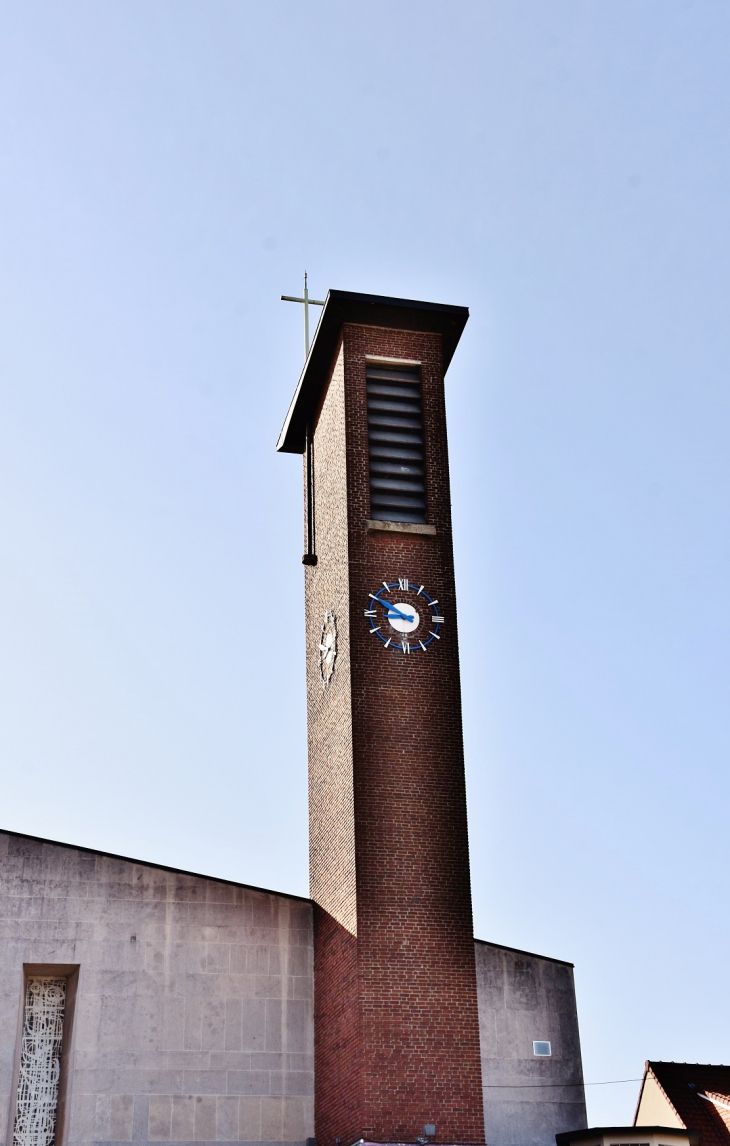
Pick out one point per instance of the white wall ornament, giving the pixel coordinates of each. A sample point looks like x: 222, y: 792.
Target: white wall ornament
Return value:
x: 40, y: 1062
x: 328, y: 648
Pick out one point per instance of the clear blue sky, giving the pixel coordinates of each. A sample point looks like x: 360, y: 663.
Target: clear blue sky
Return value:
x: 168, y: 170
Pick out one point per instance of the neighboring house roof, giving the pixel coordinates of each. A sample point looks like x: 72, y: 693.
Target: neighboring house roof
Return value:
x: 700, y: 1095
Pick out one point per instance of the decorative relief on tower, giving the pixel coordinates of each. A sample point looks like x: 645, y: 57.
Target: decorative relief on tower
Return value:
x: 40, y: 1062
x: 328, y: 648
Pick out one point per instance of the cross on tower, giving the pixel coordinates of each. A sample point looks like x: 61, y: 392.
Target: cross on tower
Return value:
x: 310, y: 557
x: 307, y: 303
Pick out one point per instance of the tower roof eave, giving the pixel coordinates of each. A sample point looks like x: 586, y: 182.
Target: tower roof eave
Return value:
x: 343, y: 306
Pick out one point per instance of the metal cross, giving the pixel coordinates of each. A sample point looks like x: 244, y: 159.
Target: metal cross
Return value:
x: 310, y: 557
x: 307, y: 303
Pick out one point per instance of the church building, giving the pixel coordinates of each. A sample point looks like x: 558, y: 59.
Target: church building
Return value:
x: 144, y: 1004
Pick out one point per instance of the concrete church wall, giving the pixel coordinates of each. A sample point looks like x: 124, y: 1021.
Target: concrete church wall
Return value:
x: 522, y: 998
x: 193, y: 1013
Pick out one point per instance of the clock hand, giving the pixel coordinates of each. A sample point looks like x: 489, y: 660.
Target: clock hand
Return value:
x: 393, y: 612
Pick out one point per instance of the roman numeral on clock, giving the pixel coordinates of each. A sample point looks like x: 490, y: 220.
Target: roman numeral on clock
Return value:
x: 403, y: 584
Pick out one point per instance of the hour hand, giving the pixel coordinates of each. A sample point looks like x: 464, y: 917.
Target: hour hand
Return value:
x: 391, y: 611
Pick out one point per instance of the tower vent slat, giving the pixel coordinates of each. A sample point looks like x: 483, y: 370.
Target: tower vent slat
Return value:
x: 395, y: 440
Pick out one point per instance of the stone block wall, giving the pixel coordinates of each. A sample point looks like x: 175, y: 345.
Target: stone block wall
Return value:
x: 523, y: 998
x: 192, y: 1018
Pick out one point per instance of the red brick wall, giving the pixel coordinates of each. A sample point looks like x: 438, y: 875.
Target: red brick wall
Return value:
x: 396, y: 1023
x: 329, y: 710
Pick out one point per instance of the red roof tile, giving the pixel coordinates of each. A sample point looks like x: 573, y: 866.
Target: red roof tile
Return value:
x: 689, y: 1086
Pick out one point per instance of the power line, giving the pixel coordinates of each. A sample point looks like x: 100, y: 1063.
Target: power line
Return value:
x: 541, y: 1085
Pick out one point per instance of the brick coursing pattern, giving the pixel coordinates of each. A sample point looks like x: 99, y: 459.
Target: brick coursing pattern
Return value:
x: 396, y: 1021
x: 331, y: 802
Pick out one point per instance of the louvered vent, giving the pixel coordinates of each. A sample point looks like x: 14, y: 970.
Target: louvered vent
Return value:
x: 395, y: 438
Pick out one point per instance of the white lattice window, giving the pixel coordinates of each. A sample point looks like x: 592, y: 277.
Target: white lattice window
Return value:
x: 40, y: 1062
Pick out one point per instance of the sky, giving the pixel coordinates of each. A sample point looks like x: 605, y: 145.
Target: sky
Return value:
x: 169, y: 169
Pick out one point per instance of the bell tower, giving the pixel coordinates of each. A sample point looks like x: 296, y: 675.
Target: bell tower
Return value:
x: 396, y: 1022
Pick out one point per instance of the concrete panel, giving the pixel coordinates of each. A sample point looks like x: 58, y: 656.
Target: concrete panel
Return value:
x: 226, y: 1126
x: 160, y: 1119
x: 249, y: 1119
x: 121, y: 1114
x: 522, y: 998
x: 182, y: 980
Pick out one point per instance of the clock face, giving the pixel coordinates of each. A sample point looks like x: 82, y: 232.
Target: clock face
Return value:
x: 404, y: 617
x: 327, y: 648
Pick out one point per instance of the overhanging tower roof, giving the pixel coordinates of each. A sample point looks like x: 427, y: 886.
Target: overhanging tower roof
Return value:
x: 365, y: 310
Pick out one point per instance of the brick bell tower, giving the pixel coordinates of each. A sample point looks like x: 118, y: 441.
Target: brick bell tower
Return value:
x: 396, y: 1023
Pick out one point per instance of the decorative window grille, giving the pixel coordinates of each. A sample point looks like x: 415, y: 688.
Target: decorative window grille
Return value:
x: 395, y: 440
x: 40, y: 1062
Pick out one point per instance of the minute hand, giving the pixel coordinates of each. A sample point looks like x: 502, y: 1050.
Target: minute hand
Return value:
x: 393, y: 612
